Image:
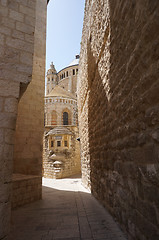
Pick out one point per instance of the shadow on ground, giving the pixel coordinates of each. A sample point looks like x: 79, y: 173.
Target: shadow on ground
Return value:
x: 64, y: 215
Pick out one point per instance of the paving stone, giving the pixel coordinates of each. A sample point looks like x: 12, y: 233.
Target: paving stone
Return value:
x: 67, y: 212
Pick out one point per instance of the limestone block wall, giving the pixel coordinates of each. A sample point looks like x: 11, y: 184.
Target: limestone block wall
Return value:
x: 18, y: 44
x: 58, y: 105
x: 26, y: 189
x: 30, y: 120
x: 119, y: 111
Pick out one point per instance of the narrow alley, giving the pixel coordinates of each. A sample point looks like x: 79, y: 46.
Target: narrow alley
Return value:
x: 66, y: 212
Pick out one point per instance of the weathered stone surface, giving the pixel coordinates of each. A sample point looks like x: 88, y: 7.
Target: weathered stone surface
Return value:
x: 119, y: 111
x: 17, y: 70
x: 9, y: 88
x: 10, y: 105
x: 30, y: 120
x: 25, y: 189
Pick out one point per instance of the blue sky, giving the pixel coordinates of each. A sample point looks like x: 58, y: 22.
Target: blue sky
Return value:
x: 64, y: 31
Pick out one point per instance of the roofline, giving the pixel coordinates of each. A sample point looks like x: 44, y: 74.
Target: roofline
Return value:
x: 68, y: 67
x: 60, y: 97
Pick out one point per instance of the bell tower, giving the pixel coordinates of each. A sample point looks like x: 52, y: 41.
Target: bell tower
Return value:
x: 51, y: 78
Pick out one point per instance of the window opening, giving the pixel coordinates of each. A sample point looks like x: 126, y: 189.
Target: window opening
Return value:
x: 52, y: 143
x: 65, y: 118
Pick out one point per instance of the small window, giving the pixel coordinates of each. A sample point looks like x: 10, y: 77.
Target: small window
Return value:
x: 73, y: 71
x: 65, y: 118
x: 77, y: 71
x: 65, y: 143
x: 67, y: 74
x: 64, y: 75
x: 52, y: 79
x: 58, y: 143
x: 52, y: 143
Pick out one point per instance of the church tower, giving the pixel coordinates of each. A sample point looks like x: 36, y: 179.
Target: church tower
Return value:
x: 51, y: 78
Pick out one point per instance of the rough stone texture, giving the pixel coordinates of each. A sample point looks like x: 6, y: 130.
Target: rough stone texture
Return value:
x: 26, y: 189
x: 16, y: 72
x: 119, y: 111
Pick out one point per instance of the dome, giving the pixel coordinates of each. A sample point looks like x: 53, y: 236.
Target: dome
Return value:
x: 60, y: 92
x: 75, y: 61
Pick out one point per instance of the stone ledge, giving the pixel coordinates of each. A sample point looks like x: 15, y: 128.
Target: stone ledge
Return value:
x: 25, y: 189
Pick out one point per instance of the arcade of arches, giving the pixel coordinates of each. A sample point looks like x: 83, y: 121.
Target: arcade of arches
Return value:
x: 118, y: 107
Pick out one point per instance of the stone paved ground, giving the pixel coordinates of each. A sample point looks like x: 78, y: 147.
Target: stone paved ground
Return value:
x: 66, y: 212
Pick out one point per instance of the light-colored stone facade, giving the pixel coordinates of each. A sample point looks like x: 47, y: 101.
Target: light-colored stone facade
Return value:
x: 22, y: 67
x: 119, y: 111
x: 61, y: 149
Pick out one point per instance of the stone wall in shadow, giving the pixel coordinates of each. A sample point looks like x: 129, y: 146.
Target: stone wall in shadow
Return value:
x: 22, y: 74
x: 119, y: 111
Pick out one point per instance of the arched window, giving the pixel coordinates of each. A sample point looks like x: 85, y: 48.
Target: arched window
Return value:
x: 53, y: 118
x: 65, y: 118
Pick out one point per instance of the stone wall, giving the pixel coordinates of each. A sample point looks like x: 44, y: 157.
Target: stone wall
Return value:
x: 20, y: 28
x: 30, y: 120
x: 69, y: 157
x: 119, y: 111
x: 58, y: 105
x: 26, y: 189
